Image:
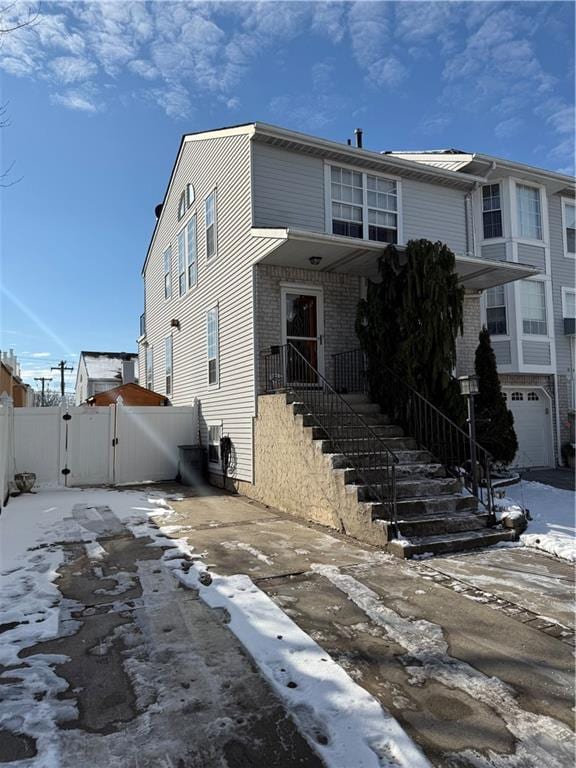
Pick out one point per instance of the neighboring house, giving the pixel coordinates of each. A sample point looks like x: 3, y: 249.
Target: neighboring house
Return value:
x: 11, y: 384
x: 100, y: 371
x: 128, y: 394
x: 267, y: 235
x: 527, y: 215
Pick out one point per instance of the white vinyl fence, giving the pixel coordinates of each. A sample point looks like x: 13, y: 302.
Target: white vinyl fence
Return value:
x: 6, y: 448
x: 96, y: 445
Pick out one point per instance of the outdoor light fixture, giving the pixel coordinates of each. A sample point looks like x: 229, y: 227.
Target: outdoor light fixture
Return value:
x: 469, y: 388
x: 175, y: 323
x: 315, y: 260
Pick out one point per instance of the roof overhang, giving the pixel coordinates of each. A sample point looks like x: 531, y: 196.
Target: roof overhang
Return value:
x: 295, y: 248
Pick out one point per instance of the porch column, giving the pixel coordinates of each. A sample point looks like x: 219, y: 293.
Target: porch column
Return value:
x: 466, y: 343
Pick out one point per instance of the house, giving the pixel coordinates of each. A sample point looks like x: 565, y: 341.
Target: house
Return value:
x: 527, y: 214
x: 266, y: 237
x: 128, y: 394
x: 11, y: 384
x: 100, y: 371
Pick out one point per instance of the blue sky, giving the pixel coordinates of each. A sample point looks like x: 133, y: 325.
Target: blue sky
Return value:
x: 99, y: 94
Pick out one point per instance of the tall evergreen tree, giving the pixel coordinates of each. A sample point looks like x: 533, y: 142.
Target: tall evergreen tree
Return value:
x: 494, y: 422
x: 409, y: 323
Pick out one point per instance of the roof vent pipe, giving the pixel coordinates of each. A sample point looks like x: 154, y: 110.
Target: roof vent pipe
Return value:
x: 358, y: 134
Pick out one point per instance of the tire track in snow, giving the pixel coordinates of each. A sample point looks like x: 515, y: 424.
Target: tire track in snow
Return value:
x: 542, y: 740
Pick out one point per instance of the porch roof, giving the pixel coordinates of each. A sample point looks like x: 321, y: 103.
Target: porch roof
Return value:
x: 294, y: 248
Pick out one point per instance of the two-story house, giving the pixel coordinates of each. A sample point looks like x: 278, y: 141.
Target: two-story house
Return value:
x: 527, y: 214
x: 103, y: 371
x: 266, y: 237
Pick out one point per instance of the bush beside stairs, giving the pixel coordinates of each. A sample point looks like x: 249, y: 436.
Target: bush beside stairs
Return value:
x: 435, y: 512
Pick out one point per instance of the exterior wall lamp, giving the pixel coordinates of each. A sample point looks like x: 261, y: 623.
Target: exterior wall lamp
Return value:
x: 469, y: 388
x: 315, y: 260
x: 175, y: 324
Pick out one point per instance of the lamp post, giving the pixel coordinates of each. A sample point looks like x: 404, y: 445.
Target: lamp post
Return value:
x: 469, y: 388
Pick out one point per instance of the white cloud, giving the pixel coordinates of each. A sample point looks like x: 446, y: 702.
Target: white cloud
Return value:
x: 40, y: 354
x: 72, y: 69
x: 76, y: 100
x: 508, y: 128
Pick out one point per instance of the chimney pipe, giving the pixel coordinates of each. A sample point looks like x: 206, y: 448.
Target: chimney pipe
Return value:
x: 349, y: 142
x: 358, y: 134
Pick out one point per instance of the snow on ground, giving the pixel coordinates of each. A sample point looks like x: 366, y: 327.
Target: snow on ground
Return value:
x: 340, y: 719
x: 553, y: 524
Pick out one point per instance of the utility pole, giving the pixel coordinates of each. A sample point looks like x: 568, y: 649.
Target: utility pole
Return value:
x: 61, y: 367
x: 43, y: 379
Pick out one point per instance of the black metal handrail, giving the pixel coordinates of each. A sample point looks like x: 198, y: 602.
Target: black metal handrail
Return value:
x: 287, y: 370
x: 431, y: 428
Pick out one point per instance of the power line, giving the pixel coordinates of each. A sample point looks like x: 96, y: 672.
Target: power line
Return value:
x: 61, y: 367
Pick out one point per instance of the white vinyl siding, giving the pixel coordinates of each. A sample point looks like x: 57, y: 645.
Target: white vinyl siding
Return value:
x: 569, y: 227
x: 168, y: 273
x: 533, y: 293
x: 529, y: 212
x: 210, y: 223
x: 496, y: 311
x: 168, y: 364
x: 212, y: 346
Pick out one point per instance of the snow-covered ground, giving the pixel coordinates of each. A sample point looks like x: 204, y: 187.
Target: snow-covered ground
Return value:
x: 339, y: 718
x: 553, y: 524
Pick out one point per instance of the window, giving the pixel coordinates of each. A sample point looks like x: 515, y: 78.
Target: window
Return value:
x: 214, y: 435
x: 212, y: 345
x: 529, y: 213
x: 149, y: 369
x: 491, y: 211
x: 210, y: 213
x: 168, y: 363
x: 568, y: 303
x: 191, y: 269
x: 182, y: 262
x: 167, y: 273
x: 533, y: 307
x: 532, y: 396
x: 496, y: 311
x: 363, y: 205
x: 182, y: 205
x: 517, y: 396
x: 569, y: 227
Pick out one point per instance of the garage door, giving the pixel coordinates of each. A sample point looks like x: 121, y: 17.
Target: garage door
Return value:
x: 533, y: 425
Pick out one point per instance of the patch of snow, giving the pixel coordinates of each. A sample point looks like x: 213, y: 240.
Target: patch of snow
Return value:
x: 553, y: 525
x: 247, y: 548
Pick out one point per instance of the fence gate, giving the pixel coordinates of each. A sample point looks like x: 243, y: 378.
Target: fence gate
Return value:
x: 87, y: 435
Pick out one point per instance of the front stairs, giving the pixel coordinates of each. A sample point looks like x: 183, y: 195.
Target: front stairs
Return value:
x: 435, y: 513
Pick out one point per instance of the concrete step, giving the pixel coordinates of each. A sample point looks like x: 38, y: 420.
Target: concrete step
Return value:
x: 417, y: 471
x: 441, y: 506
x: 404, y: 473
x: 367, y: 443
x: 341, y: 417
x: 324, y: 404
x: 354, y: 431
x: 432, y: 525
x: 451, y: 542
x: 426, y: 486
x: 341, y: 461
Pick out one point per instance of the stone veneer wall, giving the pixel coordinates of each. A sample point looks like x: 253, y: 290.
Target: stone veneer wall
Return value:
x: 566, y: 413
x: 467, y: 343
x: 292, y: 474
x: 341, y: 295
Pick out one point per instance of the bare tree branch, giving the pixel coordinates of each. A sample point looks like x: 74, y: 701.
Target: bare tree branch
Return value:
x: 32, y: 18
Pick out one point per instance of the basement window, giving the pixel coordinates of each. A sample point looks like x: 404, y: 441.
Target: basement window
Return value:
x: 168, y: 363
x: 212, y: 344
x: 214, y: 435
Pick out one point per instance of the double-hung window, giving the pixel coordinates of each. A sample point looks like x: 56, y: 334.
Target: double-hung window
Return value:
x: 491, y: 211
x: 210, y: 217
x: 182, y: 262
x: 167, y: 273
x: 496, y: 311
x: 533, y: 294
x: 212, y: 344
x: 149, y: 368
x: 191, y: 260
x: 214, y: 435
x: 569, y: 227
x: 529, y: 211
x: 363, y: 205
x: 168, y: 363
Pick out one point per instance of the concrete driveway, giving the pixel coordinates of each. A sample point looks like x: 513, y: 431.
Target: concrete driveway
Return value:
x: 471, y: 654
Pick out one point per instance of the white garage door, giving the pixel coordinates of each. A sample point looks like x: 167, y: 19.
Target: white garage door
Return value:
x: 533, y: 424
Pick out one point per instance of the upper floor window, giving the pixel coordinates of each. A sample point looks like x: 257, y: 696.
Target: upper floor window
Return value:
x: 364, y: 205
x: 569, y: 227
x: 210, y: 214
x: 496, y: 311
x: 167, y: 273
x: 168, y: 363
x: 191, y: 260
x: 149, y: 368
x: 212, y: 344
x: 529, y: 212
x: 568, y: 302
x: 182, y: 262
x: 533, y: 293
x: 185, y: 201
x: 491, y: 211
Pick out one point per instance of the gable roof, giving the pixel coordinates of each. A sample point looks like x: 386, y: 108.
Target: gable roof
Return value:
x: 128, y: 392
x: 107, y: 365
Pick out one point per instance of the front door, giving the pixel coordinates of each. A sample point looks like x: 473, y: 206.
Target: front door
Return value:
x: 302, y: 323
